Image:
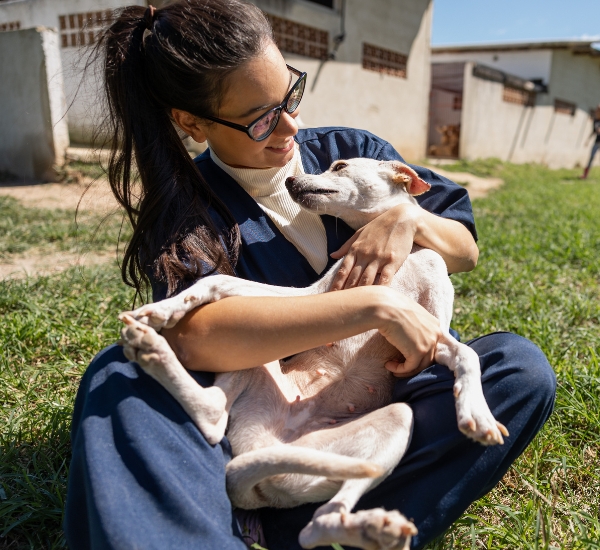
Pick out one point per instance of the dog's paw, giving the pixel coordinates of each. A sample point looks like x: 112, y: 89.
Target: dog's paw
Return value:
x: 142, y: 344
x: 375, y: 529
x: 475, y: 419
x: 167, y: 313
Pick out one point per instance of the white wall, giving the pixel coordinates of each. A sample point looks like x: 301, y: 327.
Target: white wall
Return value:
x: 492, y: 127
x: 342, y: 93
x: 33, y: 134
x: 81, y: 93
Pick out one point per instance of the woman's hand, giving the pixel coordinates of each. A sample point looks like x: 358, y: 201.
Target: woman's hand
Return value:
x: 378, y: 248
x: 412, y: 330
x: 381, y: 246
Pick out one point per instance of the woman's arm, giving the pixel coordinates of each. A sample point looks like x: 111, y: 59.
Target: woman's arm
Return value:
x: 381, y: 246
x: 242, y: 332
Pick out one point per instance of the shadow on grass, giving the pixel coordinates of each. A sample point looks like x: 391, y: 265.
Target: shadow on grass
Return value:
x: 33, y: 476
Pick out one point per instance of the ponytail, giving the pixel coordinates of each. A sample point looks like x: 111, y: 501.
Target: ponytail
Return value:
x: 156, y: 60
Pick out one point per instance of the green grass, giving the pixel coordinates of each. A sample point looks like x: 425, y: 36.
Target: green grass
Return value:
x: 52, y: 327
x: 91, y: 169
x: 45, y: 230
x: 537, y: 276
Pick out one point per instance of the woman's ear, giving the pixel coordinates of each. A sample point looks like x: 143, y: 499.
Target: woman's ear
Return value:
x: 189, y: 124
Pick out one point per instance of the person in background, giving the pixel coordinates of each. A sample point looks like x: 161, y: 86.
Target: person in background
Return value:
x: 596, y: 145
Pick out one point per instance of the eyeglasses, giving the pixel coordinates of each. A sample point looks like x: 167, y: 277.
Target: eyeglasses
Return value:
x: 263, y: 126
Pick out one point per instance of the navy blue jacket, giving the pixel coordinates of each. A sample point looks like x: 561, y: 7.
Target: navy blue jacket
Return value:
x: 266, y: 255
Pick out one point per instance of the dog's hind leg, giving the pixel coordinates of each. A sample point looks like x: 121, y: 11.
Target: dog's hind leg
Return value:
x: 474, y: 417
x: 206, y: 406
x: 381, y: 437
x: 375, y: 529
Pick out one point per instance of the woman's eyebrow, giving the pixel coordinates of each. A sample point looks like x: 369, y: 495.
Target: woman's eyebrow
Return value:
x: 265, y: 107
x: 255, y: 110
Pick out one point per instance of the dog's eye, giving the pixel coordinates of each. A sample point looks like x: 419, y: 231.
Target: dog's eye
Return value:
x: 339, y: 166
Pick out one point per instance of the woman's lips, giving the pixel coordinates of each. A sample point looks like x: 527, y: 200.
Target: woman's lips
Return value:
x: 285, y: 149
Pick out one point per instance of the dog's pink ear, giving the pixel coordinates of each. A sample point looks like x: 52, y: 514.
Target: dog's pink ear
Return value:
x: 406, y: 175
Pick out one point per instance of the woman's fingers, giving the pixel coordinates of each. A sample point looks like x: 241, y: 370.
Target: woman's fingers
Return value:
x: 369, y: 274
x: 408, y: 368
x: 354, y: 272
x: 414, y: 332
x: 362, y: 274
x: 387, y: 273
x: 343, y: 272
x: 354, y: 276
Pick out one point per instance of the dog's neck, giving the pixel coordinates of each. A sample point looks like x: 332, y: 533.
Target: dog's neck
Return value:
x: 357, y: 219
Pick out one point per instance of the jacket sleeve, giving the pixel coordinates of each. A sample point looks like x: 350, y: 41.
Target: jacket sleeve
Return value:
x: 445, y: 198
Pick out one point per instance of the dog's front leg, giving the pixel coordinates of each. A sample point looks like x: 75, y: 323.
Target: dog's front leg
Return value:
x: 166, y: 313
x: 474, y: 417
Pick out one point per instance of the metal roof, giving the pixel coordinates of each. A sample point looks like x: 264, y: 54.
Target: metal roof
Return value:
x: 581, y: 46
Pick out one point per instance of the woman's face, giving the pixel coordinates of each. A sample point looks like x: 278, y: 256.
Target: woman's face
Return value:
x: 257, y: 86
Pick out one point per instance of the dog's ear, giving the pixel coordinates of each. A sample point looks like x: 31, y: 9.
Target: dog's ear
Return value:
x: 405, y: 175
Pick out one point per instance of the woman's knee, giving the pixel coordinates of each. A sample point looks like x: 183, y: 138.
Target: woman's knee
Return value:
x: 112, y: 360
x: 508, y: 358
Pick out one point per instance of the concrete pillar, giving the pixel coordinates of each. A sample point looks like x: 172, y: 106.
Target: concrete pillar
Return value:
x: 33, y: 126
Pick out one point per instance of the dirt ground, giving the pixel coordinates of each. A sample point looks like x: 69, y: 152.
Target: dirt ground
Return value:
x: 66, y: 196
x: 476, y: 186
x: 98, y: 198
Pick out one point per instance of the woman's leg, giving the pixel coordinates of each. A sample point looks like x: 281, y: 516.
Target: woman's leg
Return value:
x: 142, y: 475
x: 443, y: 472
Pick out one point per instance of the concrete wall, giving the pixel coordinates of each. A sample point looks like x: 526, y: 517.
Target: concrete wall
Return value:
x: 491, y: 127
x: 575, y: 78
x: 342, y: 93
x: 81, y: 93
x: 34, y: 134
x: 339, y: 92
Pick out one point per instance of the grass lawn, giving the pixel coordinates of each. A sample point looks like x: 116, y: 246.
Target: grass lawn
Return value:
x: 537, y: 276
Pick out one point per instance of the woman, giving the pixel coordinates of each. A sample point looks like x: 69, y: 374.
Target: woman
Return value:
x: 596, y: 145
x: 142, y: 475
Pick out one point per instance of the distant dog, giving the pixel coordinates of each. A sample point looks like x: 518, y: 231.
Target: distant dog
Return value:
x: 320, y: 425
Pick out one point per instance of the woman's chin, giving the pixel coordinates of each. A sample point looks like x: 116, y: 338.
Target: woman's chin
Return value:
x: 276, y: 158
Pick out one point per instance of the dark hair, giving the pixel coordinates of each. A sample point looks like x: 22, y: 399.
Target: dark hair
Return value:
x: 178, y: 57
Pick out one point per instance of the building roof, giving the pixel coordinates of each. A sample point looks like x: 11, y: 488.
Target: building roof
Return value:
x: 580, y: 46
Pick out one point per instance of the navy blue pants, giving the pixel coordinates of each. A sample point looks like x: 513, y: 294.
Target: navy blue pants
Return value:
x: 142, y: 476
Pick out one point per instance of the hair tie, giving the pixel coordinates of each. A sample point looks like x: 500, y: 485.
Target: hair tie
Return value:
x: 149, y: 17
x: 148, y: 20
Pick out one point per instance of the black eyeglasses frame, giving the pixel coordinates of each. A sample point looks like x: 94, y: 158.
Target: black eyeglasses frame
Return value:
x: 282, y: 106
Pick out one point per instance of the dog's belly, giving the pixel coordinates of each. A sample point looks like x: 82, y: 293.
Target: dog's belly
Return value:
x: 278, y: 408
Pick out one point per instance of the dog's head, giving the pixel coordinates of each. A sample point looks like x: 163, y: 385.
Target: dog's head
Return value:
x: 357, y: 190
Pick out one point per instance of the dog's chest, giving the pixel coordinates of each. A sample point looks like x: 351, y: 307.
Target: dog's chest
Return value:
x: 350, y: 380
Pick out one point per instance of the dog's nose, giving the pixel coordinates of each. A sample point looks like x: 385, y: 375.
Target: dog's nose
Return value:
x: 289, y: 182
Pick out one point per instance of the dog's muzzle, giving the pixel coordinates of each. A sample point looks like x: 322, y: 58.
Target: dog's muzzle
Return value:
x: 298, y: 192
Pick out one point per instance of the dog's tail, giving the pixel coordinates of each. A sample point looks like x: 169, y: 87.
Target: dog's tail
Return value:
x: 245, y: 471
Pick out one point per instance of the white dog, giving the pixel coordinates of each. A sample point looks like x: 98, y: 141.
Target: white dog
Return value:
x: 320, y: 425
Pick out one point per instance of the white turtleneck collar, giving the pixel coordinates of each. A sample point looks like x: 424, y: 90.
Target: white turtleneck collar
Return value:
x: 266, y: 186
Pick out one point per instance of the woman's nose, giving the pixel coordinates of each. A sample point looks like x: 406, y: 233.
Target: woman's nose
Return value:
x: 287, y: 126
